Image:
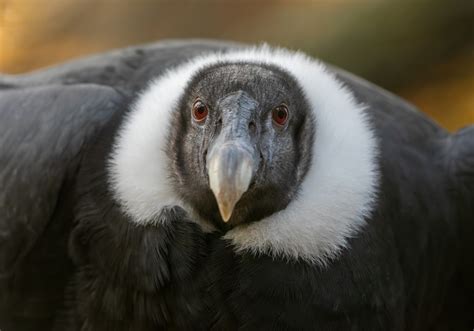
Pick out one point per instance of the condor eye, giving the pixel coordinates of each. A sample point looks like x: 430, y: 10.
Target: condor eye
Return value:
x: 199, y: 111
x: 280, y: 115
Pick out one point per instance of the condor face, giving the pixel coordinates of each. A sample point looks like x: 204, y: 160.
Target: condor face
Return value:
x: 243, y: 127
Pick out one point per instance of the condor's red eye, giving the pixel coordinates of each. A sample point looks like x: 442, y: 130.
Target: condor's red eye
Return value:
x: 280, y: 115
x: 199, y: 111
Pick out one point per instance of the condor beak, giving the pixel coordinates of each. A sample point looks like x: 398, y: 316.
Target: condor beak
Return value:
x: 232, y: 159
x: 230, y: 171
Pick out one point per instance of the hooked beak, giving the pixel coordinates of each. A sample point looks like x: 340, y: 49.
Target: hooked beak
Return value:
x: 230, y: 171
x: 232, y: 161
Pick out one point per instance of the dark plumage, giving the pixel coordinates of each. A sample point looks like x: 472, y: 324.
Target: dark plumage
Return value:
x: 75, y: 255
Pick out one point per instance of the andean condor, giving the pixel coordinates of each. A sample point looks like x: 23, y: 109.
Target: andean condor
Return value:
x: 191, y: 185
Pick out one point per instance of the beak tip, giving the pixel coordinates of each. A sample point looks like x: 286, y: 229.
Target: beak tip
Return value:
x: 225, y: 211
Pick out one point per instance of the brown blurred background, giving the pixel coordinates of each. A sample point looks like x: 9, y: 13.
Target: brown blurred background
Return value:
x: 422, y: 50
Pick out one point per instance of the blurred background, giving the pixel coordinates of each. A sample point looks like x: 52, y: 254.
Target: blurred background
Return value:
x: 422, y: 50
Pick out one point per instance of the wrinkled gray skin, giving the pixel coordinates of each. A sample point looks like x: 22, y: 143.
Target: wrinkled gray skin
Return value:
x: 240, y: 115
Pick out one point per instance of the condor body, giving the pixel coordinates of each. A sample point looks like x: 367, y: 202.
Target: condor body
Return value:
x: 198, y: 185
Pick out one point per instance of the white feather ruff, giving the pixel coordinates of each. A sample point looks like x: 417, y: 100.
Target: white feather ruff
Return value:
x: 336, y: 196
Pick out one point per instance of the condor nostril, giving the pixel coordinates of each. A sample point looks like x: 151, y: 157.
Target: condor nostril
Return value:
x: 218, y: 126
x: 252, y: 127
